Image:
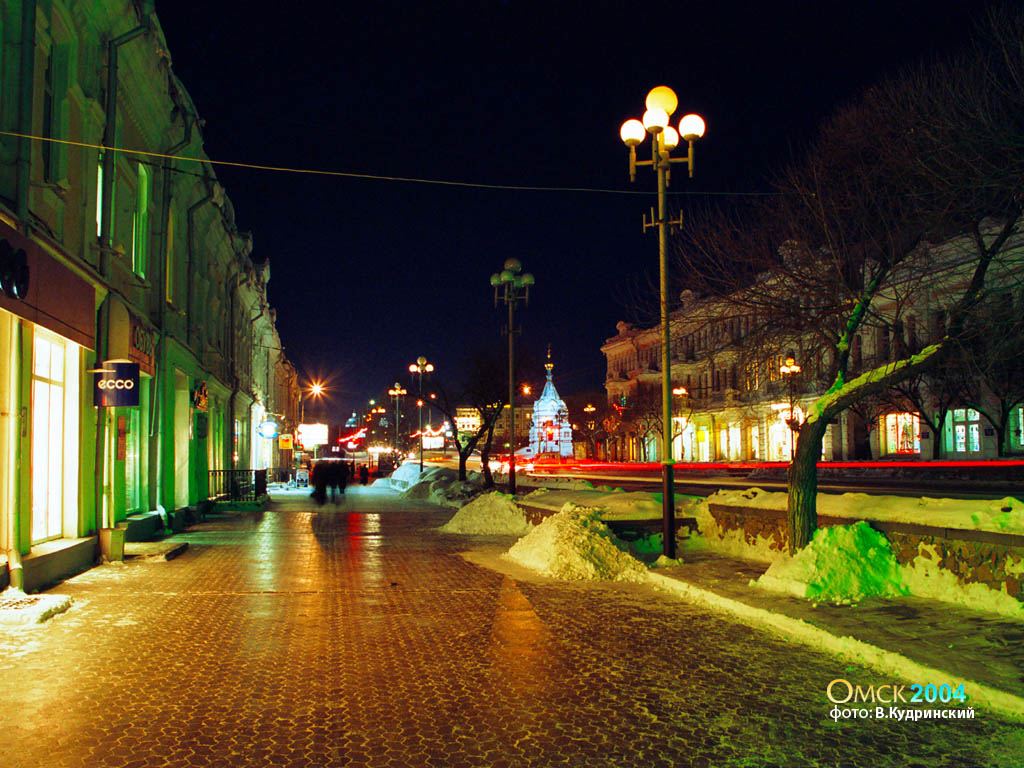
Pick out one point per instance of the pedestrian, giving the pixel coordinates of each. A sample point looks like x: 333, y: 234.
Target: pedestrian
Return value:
x: 342, y: 475
x: 364, y: 474
x: 320, y: 482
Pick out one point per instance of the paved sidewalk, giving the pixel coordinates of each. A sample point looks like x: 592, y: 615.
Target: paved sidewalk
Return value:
x: 973, y: 645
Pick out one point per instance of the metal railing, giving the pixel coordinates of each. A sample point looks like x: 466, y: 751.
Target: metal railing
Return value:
x: 238, y: 484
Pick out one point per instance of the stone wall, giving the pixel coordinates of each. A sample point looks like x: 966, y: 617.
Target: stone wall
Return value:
x: 997, y: 563
x: 997, y: 566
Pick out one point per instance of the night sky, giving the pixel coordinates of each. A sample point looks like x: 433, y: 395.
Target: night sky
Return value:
x: 368, y: 274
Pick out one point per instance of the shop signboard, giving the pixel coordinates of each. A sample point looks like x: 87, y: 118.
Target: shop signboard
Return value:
x: 116, y: 384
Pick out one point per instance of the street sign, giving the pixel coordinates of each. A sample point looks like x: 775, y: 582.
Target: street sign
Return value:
x: 284, y: 442
x: 116, y: 384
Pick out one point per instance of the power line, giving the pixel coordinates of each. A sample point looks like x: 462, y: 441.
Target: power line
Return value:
x: 374, y: 177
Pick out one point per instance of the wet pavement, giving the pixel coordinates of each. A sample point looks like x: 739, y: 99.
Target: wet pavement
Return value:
x: 358, y: 635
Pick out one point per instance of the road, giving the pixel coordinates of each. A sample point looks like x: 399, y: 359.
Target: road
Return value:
x: 357, y: 634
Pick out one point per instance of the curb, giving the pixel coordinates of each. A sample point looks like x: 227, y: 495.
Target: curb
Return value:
x: 847, y: 648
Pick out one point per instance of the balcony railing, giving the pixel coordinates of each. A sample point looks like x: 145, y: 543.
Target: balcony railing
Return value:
x: 238, y: 484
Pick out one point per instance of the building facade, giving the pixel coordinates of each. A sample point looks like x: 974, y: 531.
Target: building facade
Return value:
x: 734, y: 402
x: 127, y: 255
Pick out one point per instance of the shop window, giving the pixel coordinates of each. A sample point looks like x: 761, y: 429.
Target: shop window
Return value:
x: 755, y: 442
x: 903, y: 433
x: 132, y: 473
x: 47, y: 438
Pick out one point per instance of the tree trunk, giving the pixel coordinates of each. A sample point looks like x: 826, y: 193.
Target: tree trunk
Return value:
x: 802, y: 509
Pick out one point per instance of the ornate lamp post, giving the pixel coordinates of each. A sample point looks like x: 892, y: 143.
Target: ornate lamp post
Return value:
x: 420, y: 367
x: 396, y: 392
x: 513, y: 287
x: 661, y: 103
x: 789, y: 369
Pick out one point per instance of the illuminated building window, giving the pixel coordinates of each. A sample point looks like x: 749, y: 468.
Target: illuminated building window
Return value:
x: 966, y: 430
x: 902, y: 433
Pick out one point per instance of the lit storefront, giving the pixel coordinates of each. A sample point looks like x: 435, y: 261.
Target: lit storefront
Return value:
x: 782, y: 439
x: 46, y: 331
x: 902, y: 434
x: 684, y: 438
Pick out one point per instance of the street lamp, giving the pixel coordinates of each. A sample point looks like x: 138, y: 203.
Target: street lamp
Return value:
x: 316, y: 390
x: 420, y: 367
x: 514, y: 287
x: 661, y: 103
x: 589, y: 410
x: 789, y: 369
x: 396, y: 392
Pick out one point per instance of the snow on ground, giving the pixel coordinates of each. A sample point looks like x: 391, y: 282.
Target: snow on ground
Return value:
x: 1000, y: 515
x: 614, y: 505
x: 491, y: 513
x: 843, y: 563
x: 924, y: 578
x: 574, y: 544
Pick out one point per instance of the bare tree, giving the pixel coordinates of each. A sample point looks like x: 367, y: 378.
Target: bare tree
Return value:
x: 845, y: 248
x: 483, y: 389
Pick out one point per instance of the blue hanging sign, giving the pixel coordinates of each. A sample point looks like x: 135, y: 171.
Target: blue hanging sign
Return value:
x: 268, y: 429
x: 116, y: 384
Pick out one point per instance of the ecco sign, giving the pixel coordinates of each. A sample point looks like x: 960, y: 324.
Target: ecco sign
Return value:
x: 116, y: 384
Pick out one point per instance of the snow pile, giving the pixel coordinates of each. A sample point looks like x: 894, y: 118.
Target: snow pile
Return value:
x: 406, y: 475
x: 441, y: 486
x: 843, y: 563
x: 614, y: 505
x: 574, y: 544
x: 18, y: 609
x: 490, y: 514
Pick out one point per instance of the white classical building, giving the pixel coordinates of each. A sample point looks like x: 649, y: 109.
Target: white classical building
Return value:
x: 551, y: 432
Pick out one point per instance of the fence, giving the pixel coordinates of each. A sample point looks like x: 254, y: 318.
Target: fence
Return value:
x: 238, y: 484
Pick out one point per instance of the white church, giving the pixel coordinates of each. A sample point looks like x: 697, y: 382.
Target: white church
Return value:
x: 550, y: 432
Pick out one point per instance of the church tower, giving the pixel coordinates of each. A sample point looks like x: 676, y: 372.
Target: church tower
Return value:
x: 550, y: 432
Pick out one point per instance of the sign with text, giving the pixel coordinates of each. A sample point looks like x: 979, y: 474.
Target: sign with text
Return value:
x: 116, y: 384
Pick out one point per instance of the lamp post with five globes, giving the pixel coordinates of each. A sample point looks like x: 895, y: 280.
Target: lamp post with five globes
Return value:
x: 661, y: 103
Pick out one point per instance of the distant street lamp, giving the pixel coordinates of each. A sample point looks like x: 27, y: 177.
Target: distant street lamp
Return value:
x: 316, y: 390
x: 661, y: 103
x: 420, y: 367
x: 396, y: 392
x: 789, y: 369
x: 514, y: 287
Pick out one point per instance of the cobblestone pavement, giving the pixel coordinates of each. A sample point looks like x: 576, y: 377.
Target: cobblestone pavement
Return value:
x: 357, y: 635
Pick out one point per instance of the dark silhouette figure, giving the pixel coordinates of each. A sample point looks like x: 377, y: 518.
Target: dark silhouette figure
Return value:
x: 364, y: 474
x: 320, y: 480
